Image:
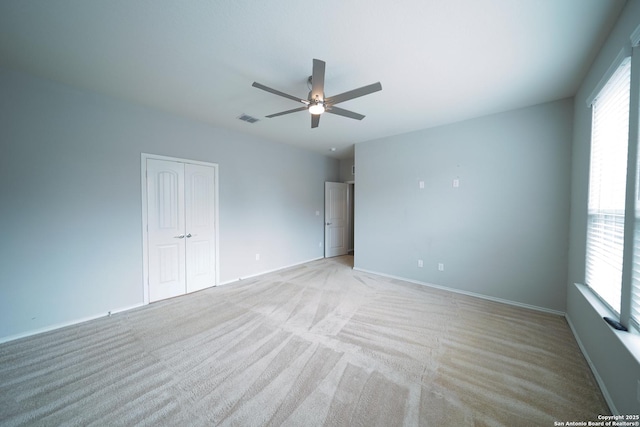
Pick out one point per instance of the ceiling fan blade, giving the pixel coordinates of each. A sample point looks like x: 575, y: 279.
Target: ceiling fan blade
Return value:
x: 317, y: 80
x: 295, y: 110
x: 277, y: 92
x: 315, y: 120
x: 355, y: 93
x: 345, y: 113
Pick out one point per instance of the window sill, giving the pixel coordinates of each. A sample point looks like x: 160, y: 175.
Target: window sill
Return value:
x: 629, y: 339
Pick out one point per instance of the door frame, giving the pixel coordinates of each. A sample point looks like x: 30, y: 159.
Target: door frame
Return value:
x: 145, y: 231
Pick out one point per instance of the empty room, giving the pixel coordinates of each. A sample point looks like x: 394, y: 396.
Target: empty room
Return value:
x: 337, y: 213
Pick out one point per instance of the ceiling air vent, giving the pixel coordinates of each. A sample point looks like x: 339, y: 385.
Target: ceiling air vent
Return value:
x: 248, y: 119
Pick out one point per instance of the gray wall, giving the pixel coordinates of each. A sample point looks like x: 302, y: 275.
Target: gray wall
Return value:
x: 70, y: 192
x: 503, y: 233
x: 345, y: 170
x: 617, y: 369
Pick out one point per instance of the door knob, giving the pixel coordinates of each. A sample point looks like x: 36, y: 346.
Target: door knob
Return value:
x: 328, y: 223
x: 180, y: 236
x: 189, y: 235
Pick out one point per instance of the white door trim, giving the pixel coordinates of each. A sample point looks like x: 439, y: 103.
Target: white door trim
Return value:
x: 145, y: 249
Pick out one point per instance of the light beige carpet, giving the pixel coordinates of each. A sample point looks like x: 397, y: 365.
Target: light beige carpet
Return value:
x: 318, y: 344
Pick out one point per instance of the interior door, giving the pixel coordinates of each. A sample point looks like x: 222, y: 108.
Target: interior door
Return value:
x: 335, y: 219
x: 200, y: 226
x: 166, y: 229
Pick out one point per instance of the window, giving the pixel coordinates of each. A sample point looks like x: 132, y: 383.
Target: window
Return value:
x: 607, y: 188
x: 635, y: 271
x: 635, y: 275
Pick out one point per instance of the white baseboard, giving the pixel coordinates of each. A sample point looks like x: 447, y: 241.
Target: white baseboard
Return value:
x: 228, y: 282
x: 471, y: 294
x: 603, y: 388
x: 65, y: 324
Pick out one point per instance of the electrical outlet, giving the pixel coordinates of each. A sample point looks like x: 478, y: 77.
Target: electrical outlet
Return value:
x: 257, y: 257
x: 421, y: 185
x: 420, y: 263
x: 456, y: 183
x: 440, y: 266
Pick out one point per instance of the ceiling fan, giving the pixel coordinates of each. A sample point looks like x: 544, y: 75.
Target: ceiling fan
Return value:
x: 316, y: 101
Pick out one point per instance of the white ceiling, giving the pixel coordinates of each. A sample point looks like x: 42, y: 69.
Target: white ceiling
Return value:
x: 439, y: 61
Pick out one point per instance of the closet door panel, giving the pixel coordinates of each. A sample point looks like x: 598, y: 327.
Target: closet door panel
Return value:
x: 166, y: 225
x: 200, y: 226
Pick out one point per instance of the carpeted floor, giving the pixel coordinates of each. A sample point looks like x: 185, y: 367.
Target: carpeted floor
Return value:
x: 317, y: 344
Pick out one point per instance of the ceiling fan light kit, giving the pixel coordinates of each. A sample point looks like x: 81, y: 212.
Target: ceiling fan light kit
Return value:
x: 316, y: 103
x: 317, y: 107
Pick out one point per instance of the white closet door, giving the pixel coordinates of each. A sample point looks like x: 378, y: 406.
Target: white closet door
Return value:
x: 200, y: 226
x: 166, y: 229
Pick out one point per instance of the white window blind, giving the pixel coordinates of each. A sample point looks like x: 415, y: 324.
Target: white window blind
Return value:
x: 607, y: 185
x: 635, y: 272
